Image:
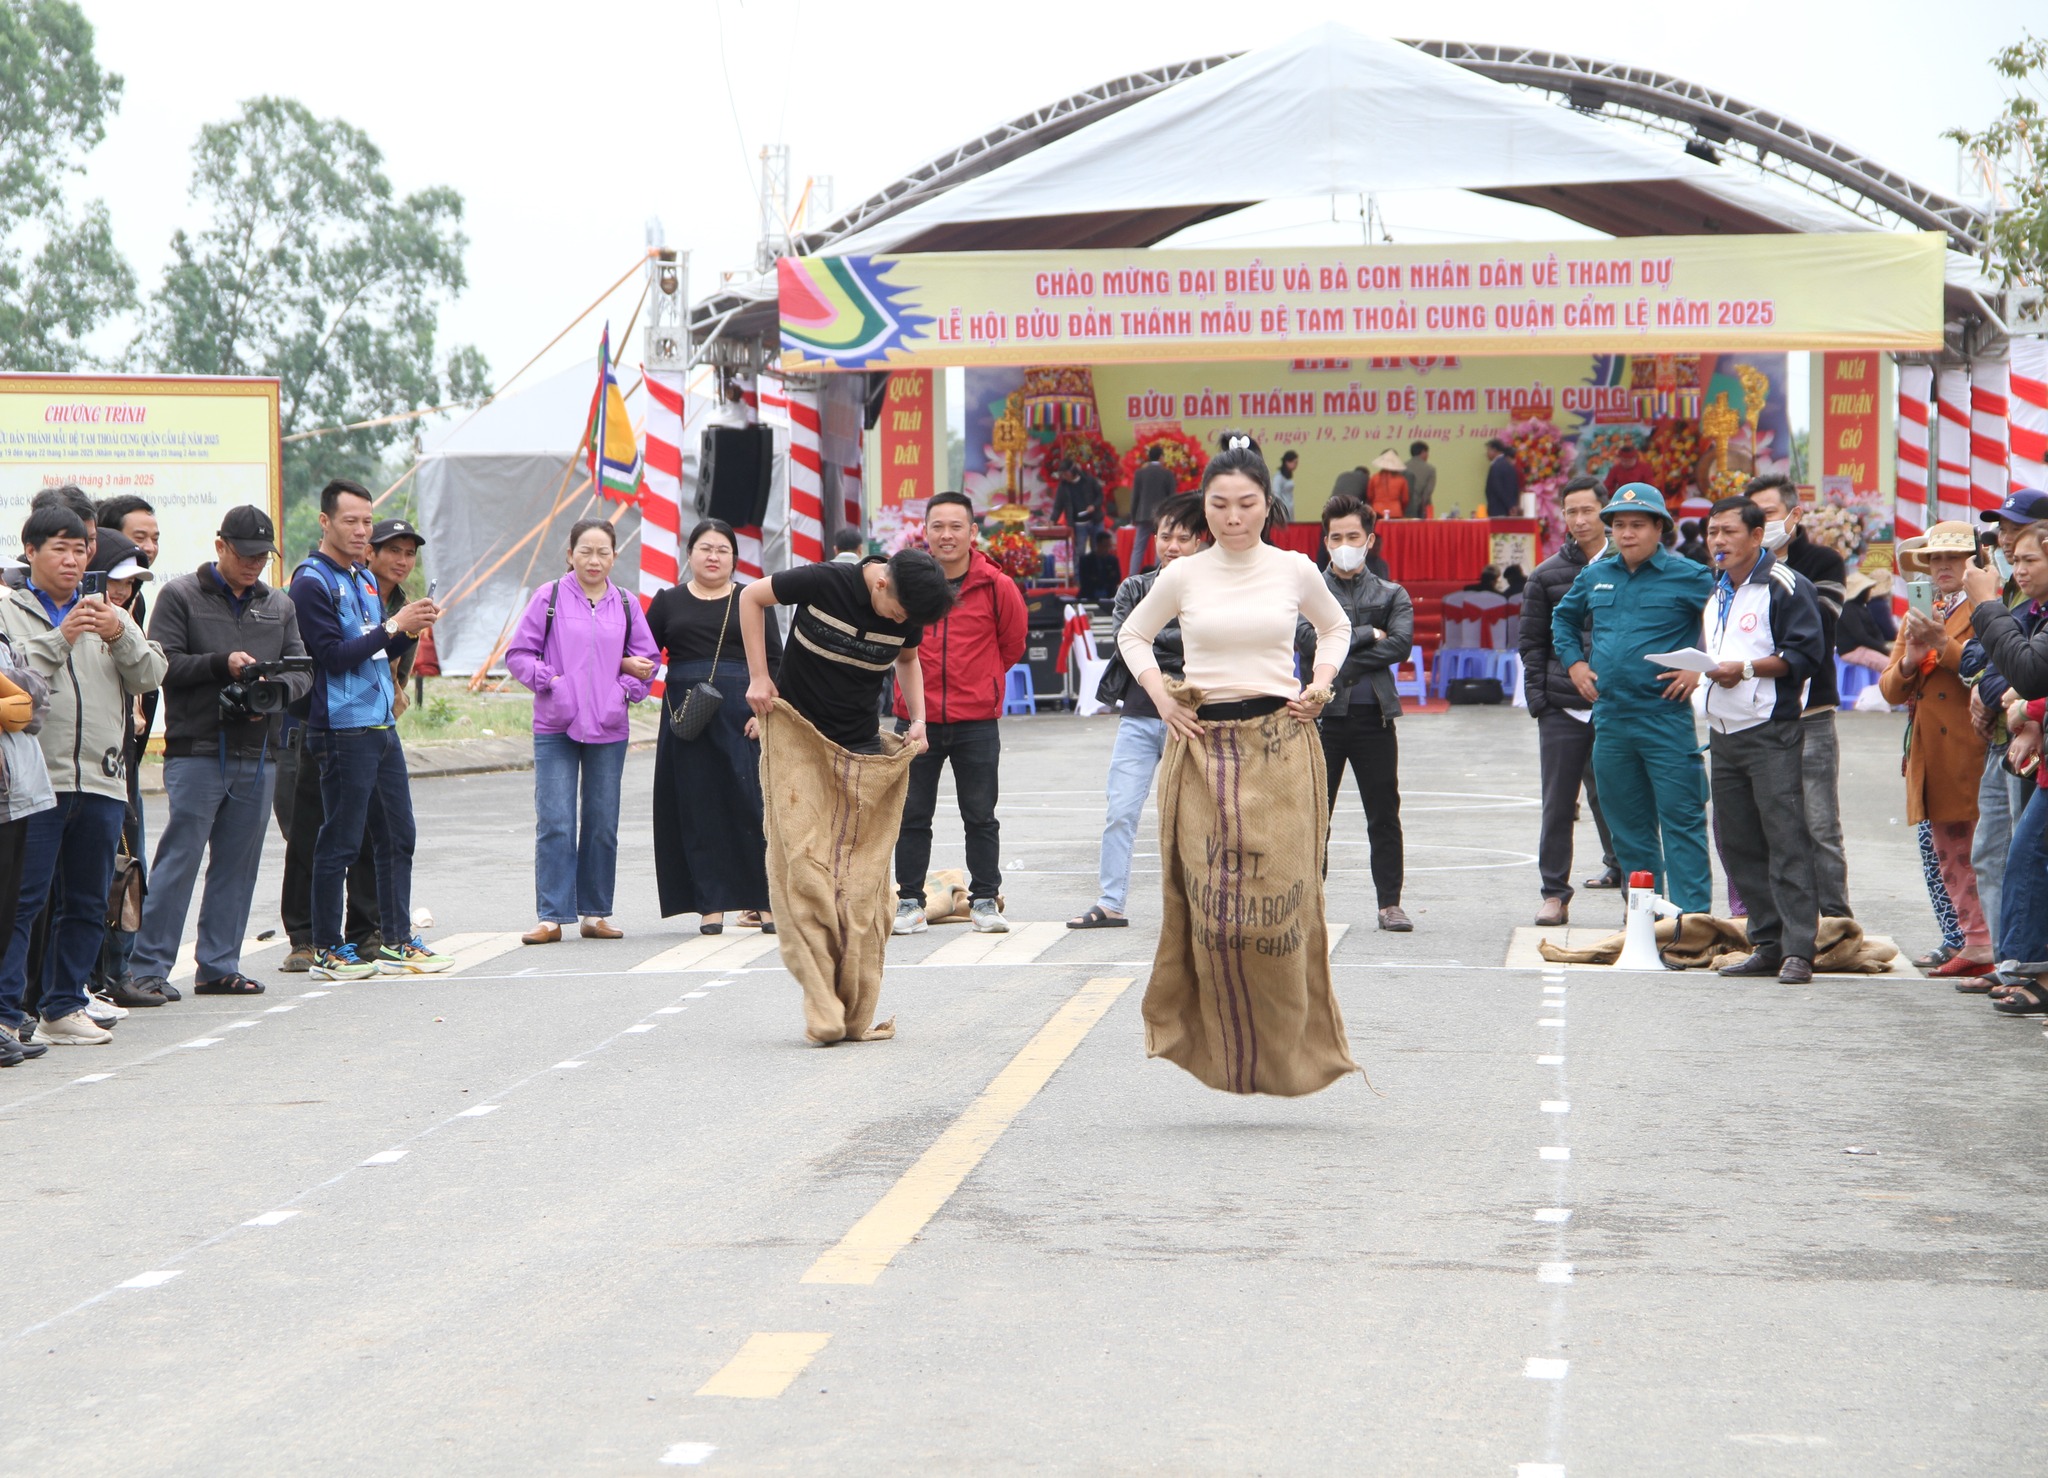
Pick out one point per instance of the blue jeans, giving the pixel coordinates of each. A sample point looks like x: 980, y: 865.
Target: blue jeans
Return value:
x: 2024, y: 936
x: 574, y: 867
x: 362, y: 783
x: 1132, y: 763
x: 220, y: 809
x: 68, y: 861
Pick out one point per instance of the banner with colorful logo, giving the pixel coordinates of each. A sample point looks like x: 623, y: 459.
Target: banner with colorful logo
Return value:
x: 1646, y: 295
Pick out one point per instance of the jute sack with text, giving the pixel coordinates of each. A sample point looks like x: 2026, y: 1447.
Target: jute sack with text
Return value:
x: 1240, y: 990
x: 831, y: 818
x: 1707, y: 943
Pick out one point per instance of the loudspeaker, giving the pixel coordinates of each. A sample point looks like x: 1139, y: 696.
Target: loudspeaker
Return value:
x: 735, y: 466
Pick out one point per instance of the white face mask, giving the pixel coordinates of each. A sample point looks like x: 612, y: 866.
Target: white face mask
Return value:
x: 2002, y: 564
x: 1350, y: 558
x: 1776, y: 535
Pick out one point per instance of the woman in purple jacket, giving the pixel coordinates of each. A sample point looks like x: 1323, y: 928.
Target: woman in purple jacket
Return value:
x: 584, y: 648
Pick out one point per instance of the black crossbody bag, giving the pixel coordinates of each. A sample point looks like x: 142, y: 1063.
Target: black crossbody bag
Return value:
x: 689, y: 718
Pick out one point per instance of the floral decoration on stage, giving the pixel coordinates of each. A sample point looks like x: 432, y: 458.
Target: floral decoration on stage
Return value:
x: 1542, y: 459
x: 1015, y: 553
x: 1184, y: 456
x: 1604, y: 450
x: 1092, y: 453
x: 1673, y: 451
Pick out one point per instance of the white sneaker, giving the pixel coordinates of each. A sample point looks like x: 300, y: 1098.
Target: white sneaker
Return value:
x: 909, y: 918
x: 75, y: 1030
x: 103, y: 1010
x: 986, y: 917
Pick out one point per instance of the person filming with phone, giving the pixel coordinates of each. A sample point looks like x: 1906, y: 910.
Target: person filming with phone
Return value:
x: 95, y: 660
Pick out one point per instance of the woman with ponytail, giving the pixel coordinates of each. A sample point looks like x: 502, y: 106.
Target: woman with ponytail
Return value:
x: 1240, y: 991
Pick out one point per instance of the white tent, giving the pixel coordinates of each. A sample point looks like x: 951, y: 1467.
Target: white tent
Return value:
x: 1334, y: 111
x: 487, y: 481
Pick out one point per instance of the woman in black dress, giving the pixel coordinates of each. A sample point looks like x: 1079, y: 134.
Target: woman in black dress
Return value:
x: 710, y: 855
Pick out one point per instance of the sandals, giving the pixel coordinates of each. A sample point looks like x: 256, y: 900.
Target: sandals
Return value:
x: 1941, y: 954
x: 228, y: 985
x: 1096, y: 918
x: 2023, y: 1000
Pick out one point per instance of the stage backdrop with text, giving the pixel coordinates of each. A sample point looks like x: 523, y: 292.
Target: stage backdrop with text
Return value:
x: 193, y: 447
x: 1669, y: 294
x: 1340, y: 413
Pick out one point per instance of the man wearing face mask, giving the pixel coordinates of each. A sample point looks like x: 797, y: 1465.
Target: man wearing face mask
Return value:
x: 1358, y: 723
x: 1821, y: 758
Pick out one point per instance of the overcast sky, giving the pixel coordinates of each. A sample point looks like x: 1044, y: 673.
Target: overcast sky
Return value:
x: 566, y: 128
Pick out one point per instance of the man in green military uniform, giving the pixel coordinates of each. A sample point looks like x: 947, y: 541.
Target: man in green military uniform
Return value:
x: 1643, y: 598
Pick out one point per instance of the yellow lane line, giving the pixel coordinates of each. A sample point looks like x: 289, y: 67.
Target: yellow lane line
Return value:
x: 765, y: 1366
x: 895, y: 1220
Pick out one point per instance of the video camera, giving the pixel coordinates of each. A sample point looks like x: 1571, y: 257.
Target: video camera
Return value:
x: 254, y: 695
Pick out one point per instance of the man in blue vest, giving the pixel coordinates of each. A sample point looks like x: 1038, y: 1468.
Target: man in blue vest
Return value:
x: 352, y: 733
x: 1643, y: 598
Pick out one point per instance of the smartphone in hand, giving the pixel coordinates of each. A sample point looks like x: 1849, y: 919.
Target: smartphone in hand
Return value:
x: 93, y: 582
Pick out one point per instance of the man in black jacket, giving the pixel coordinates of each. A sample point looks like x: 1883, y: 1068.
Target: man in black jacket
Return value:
x: 1564, y: 719
x: 1785, y: 539
x: 1503, y: 482
x: 1078, y: 505
x: 213, y: 625
x: 1357, y: 724
x: 1151, y: 486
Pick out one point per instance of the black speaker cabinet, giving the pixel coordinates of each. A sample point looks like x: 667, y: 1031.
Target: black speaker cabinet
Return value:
x: 735, y: 467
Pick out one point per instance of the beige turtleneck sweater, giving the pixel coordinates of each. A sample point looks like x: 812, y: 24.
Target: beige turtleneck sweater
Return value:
x: 1237, y: 616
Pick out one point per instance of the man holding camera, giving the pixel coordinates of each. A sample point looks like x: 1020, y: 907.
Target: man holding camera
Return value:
x: 235, y: 661
x: 95, y: 660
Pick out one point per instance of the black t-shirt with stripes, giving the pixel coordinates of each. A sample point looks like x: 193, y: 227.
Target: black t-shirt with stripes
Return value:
x: 840, y: 650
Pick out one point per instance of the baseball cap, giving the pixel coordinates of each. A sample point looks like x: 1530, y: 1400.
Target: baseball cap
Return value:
x: 118, y: 556
x: 2021, y: 505
x: 395, y: 528
x: 249, y: 531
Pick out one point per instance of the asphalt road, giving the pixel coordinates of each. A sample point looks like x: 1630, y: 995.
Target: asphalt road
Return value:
x: 555, y: 1214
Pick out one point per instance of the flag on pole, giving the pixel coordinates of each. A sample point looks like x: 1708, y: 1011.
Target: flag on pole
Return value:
x: 608, y: 436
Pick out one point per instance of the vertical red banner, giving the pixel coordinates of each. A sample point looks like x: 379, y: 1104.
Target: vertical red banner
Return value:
x: 907, y: 473
x: 1850, y: 429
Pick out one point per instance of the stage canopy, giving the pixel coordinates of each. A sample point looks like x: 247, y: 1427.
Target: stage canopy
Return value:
x: 487, y: 481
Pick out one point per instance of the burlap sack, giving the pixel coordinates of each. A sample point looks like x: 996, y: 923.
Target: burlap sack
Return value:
x: 1709, y: 943
x: 1240, y: 990
x: 946, y: 900
x: 831, y: 818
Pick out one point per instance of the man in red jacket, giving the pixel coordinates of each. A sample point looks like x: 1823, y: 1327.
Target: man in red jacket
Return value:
x: 965, y: 659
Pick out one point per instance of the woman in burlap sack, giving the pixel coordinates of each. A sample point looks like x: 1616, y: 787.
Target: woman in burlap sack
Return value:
x: 1240, y: 991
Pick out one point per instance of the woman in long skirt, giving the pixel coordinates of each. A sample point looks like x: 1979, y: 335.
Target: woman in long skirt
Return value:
x: 710, y: 854
x: 1240, y: 990
x: 584, y: 648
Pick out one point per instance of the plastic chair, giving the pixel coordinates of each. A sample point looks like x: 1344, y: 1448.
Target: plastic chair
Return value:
x: 1851, y: 680
x: 1019, y: 696
x: 1416, y: 685
x: 1511, y: 678
x: 1453, y: 663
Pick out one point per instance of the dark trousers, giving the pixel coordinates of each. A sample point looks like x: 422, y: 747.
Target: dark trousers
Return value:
x: 1564, y: 751
x: 1366, y: 742
x: 296, y: 804
x: 362, y: 785
x: 13, y: 852
x: 975, y: 751
x: 69, y: 862
x: 1766, y: 846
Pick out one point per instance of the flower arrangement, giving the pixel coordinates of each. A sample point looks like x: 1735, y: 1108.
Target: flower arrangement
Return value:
x: 1604, y: 450
x: 1015, y: 553
x: 1538, y: 455
x: 1091, y: 452
x: 1183, y: 455
x: 1673, y: 450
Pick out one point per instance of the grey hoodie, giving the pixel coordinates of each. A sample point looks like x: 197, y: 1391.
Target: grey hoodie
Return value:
x: 84, y: 738
x: 24, y: 778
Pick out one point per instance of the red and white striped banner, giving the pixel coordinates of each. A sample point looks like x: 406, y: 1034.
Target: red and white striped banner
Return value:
x: 1952, y: 446
x: 661, y: 488
x: 2029, y: 414
x: 747, y: 559
x: 849, y: 492
x: 806, y: 481
x: 1916, y: 391
x: 1988, y: 380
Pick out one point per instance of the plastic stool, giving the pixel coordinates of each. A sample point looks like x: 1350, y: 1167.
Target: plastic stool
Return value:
x: 1416, y: 687
x: 1457, y: 662
x: 1851, y: 680
x: 1019, y: 696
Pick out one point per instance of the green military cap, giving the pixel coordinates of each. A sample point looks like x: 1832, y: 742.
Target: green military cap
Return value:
x: 1636, y: 497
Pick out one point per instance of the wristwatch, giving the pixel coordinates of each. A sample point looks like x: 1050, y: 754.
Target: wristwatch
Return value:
x: 1748, y: 671
x: 391, y: 628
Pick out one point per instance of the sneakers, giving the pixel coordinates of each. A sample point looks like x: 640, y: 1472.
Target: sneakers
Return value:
x: 983, y: 914
x: 910, y: 917
x: 75, y: 1030
x: 412, y: 958
x: 102, y: 1010
x: 299, y: 961
x: 339, y: 964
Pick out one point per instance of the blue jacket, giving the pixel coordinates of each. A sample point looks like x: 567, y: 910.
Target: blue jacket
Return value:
x: 341, y: 621
x: 1654, y: 608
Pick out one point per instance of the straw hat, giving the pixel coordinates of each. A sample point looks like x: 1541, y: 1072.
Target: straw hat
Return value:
x: 1950, y: 536
x: 1390, y: 461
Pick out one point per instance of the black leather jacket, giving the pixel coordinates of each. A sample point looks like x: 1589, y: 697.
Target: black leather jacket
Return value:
x: 1370, y: 604
x: 1550, y: 687
x: 1116, y: 678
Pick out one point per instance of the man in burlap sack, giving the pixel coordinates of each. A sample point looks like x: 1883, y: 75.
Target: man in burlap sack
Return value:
x: 832, y: 783
x: 1240, y: 991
